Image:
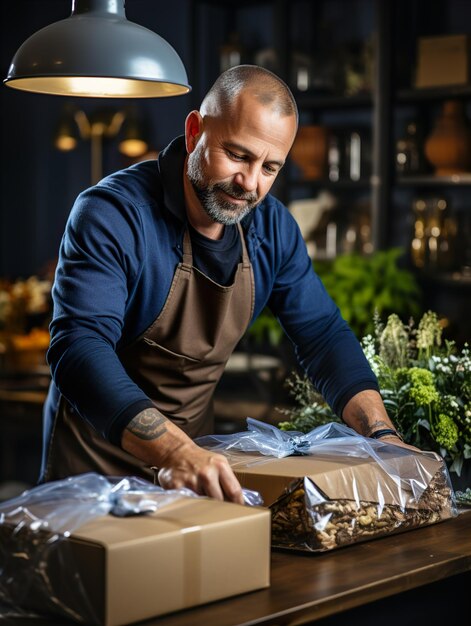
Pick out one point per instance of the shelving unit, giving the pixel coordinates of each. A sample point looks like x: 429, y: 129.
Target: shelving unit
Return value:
x: 287, y: 30
x: 280, y: 22
x: 445, y: 284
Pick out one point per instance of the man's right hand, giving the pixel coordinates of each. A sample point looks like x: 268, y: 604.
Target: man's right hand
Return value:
x: 205, y: 472
x: 154, y: 439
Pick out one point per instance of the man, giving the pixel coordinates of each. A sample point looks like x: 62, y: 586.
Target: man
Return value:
x: 162, y: 268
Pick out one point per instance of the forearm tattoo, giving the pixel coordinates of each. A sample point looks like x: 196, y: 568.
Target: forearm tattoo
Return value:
x: 366, y: 428
x: 148, y: 424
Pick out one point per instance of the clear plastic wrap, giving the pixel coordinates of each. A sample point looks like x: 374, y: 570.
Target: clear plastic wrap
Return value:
x: 332, y: 487
x: 34, y: 524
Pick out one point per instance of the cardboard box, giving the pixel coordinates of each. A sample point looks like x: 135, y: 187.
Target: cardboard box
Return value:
x: 324, y: 502
x: 190, y: 552
x: 442, y: 61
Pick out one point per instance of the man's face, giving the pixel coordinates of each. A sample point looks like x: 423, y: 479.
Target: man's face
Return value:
x: 237, y: 158
x: 225, y: 201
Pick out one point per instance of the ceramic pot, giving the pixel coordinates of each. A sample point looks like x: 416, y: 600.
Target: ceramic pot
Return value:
x: 448, y: 147
x: 309, y: 151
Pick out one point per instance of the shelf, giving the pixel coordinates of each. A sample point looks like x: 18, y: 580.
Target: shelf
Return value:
x: 315, y: 100
x: 238, y: 3
x: 434, y: 93
x: 364, y: 183
x: 450, y: 279
x: 429, y: 180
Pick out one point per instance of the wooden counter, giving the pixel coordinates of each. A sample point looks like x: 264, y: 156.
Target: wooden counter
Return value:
x: 307, y: 588
x: 420, y: 577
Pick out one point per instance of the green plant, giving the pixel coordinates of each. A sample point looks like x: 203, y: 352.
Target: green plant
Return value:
x: 360, y: 284
x: 425, y: 385
x: 266, y: 328
x: 463, y: 498
x: 310, y: 409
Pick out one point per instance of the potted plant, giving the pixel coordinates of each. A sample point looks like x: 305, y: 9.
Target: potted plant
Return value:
x: 359, y: 285
x: 362, y: 284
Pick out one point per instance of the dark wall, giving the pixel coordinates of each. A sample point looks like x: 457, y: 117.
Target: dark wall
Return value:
x: 38, y: 183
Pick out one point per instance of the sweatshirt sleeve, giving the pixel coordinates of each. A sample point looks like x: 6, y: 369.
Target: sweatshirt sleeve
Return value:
x: 99, y: 261
x: 325, y: 345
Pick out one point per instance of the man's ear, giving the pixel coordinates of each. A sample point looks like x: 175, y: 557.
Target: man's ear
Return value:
x: 193, y: 130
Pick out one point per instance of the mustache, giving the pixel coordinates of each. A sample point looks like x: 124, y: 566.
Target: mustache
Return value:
x: 236, y: 191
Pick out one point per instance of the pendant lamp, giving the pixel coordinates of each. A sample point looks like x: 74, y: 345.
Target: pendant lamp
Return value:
x: 97, y: 52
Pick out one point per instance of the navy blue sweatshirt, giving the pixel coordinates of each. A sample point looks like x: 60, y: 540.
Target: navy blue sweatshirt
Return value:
x: 122, y: 243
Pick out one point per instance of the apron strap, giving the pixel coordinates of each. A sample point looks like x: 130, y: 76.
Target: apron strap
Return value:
x: 245, y: 255
x: 187, y: 251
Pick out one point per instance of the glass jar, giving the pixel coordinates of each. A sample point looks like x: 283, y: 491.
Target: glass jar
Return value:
x: 408, y: 154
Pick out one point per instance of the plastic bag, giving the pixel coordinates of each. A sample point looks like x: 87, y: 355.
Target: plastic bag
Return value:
x: 36, y: 522
x: 326, y: 440
x: 271, y: 441
x: 333, y: 486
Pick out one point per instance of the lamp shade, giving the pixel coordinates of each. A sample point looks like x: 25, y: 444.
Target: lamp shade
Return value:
x: 98, y: 52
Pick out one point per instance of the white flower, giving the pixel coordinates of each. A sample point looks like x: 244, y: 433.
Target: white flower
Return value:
x: 368, y: 346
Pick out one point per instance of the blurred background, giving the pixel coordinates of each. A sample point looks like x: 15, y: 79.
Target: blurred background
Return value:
x: 379, y: 178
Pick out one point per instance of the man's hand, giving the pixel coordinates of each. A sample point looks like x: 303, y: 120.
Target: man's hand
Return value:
x: 205, y: 472
x: 154, y: 439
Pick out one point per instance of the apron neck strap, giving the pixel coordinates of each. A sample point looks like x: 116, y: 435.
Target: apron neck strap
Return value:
x: 245, y: 254
x: 187, y: 251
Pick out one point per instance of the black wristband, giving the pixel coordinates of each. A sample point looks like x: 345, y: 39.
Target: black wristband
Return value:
x: 384, y: 432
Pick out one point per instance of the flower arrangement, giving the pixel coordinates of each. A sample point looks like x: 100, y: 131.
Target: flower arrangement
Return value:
x: 25, y: 311
x: 425, y: 384
x: 22, y: 299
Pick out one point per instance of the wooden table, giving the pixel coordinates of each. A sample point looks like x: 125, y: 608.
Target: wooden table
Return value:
x: 375, y: 576
x: 420, y: 577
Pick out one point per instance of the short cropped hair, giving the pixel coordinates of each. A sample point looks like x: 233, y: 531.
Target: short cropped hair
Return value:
x: 265, y: 86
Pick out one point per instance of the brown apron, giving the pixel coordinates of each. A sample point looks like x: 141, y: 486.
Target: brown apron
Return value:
x: 177, y: 362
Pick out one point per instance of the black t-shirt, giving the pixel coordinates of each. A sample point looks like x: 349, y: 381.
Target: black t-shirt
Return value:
x: 217, y: 258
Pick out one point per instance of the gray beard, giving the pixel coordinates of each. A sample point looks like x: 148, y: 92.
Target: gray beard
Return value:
x: 220, y: 210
